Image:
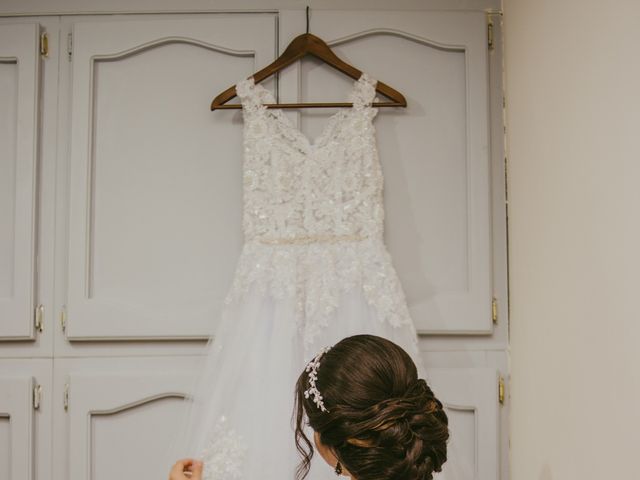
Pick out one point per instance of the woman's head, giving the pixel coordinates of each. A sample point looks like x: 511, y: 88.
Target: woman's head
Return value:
x: 380, y: 420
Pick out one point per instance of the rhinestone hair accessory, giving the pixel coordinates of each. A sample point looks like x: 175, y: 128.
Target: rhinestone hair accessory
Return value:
x: 312, y: 368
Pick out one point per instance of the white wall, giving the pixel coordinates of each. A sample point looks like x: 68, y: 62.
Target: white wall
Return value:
x: 573, y: 124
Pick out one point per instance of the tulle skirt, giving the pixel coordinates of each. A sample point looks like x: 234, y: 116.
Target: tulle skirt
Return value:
x: 240, y: 421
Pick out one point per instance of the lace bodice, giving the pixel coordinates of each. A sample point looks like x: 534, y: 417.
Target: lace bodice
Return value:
x: 313, y: 209
x: 295, y: 188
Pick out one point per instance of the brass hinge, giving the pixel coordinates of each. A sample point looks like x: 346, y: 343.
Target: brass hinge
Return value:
x: 37, y: 396
x: 494, y: 310
x: 65, y: 397
x: 490, y: 35
x: 69, y: 44
x: 63, y: 318
x: 44, y: 44
x: 39, y: 318
x: 501, y: 390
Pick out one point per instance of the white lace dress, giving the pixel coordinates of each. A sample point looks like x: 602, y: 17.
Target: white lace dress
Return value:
x: 313, y: 269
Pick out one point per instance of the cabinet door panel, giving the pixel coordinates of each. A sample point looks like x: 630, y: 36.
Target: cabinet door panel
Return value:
x: 123, y: 423
x: 19, y: 73
x: 471, y: 401
x: 434, y: 153
x: 16, y: 428
x: 156, y: 184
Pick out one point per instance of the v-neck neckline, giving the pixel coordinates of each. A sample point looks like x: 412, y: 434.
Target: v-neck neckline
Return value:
x: 311, y: 143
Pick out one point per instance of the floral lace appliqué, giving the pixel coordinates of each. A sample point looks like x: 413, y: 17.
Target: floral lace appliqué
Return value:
x: 223, y: 454
x: 316, y: 276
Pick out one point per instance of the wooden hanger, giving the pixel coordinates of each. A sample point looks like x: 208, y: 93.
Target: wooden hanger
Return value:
x: 302, y: 45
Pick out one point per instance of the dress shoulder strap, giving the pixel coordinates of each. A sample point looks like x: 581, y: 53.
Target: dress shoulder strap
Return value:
x: 252, y: 96
x: 364, y: 92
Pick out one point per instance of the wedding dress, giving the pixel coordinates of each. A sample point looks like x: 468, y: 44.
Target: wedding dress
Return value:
x: 313, y: 269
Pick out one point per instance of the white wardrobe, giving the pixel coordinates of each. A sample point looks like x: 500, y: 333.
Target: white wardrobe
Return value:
x: 121, y: 203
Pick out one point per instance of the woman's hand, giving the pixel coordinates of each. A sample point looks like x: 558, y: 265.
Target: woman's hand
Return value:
x: 186, y: 469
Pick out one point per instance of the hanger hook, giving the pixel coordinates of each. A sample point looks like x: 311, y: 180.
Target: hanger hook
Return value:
x: 307, y: 18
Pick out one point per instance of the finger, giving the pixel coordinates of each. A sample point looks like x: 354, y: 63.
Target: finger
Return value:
x: 196, y: 470
x: 179, y: 467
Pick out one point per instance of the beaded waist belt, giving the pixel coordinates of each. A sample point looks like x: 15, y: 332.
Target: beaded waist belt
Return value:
x: 306, y: 239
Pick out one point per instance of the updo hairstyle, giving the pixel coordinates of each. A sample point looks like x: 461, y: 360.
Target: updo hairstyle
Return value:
x: 382, y: 423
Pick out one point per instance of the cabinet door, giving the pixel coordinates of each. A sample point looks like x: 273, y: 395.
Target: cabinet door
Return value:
x: 434, y: 153
x: 16, y: 428
x: 123, y: 422
x: 471, y: 401
x: 156, y: 181
x: 19, y: 73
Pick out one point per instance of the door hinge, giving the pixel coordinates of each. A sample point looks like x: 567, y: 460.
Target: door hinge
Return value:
x: 69, y: 44
x: 65, y: 397
x: 39, y: 318
x: 489, y: 13
x: 501, y: 390
x: 37, y: 396
x: 494, y: 310
x: 44, y: 44
x: 63, y: 318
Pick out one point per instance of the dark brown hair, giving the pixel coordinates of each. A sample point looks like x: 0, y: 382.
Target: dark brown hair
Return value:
x: 383, y: 422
